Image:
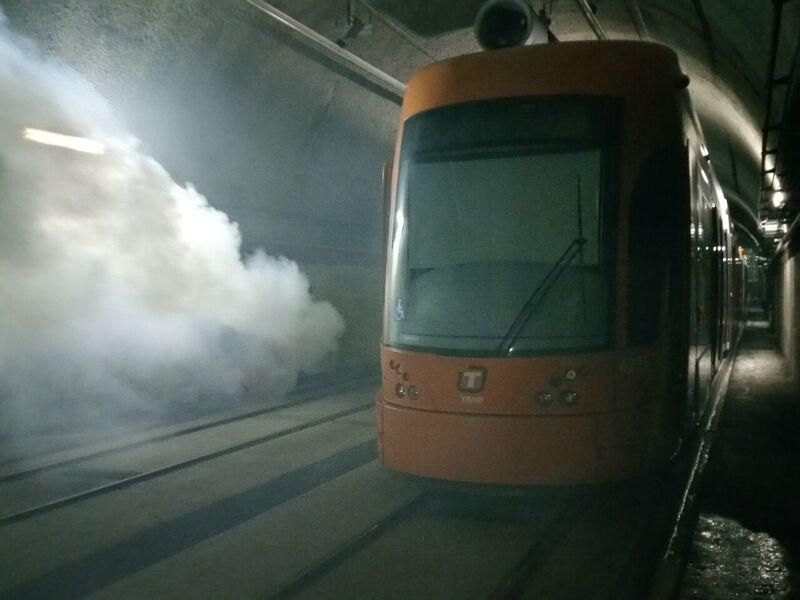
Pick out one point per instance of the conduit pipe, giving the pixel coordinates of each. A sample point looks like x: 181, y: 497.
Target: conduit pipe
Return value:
x: 392, y: 88
x: 588, y: 13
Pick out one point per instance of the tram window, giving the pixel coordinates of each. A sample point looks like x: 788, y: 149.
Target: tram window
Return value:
x: 494, y: 200
x: 653, y: 203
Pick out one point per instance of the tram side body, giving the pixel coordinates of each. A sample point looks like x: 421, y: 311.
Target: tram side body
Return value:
x: 476, y: 418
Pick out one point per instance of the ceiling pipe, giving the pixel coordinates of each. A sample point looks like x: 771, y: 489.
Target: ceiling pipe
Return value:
x: 399, y: 29
x: 392, y: 88
x: 638, y: 19
x: 588, y: 14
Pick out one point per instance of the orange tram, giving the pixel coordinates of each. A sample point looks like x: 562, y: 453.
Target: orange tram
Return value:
x: 562, y: 277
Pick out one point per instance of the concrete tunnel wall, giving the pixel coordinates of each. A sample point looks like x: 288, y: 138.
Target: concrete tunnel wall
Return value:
x: 288, y: 149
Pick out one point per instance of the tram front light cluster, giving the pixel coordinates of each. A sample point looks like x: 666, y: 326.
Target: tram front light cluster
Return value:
x: 569, y: 398
x: 402, y: 389
x: 394, y: 366
x: 406, y: 391
x: 544, y: 398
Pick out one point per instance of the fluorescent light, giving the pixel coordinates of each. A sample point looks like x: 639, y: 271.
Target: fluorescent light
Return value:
x: 71, y: 142
x: 778, y: 198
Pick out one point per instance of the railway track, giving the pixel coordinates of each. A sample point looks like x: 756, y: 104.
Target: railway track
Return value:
x: 527, y: 536
x: 124, y: 478
x: 20, y: 468
x: 291, y: 503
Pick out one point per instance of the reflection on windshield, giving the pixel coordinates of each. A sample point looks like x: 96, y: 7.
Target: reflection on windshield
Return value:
x: 540, y: 293
x: 484, y: 228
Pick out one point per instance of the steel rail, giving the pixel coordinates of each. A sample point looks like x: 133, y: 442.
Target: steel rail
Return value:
x: 297, y: 397
x: 359, y: 542
x: 147, y: 476
x: 393, y: 88
x: 514, y: 582
x: 156, y: 542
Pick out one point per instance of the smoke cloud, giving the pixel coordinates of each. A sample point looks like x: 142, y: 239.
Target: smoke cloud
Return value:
x: 119, y: 288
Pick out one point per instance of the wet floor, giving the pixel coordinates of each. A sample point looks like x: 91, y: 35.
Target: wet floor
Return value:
x: 747, y: 543
x: 730, y: 561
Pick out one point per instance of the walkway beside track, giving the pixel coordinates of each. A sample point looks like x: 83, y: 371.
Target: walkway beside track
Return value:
x: 747, y: 543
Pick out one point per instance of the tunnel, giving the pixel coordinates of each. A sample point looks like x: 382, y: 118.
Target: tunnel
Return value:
x: 399, y: 299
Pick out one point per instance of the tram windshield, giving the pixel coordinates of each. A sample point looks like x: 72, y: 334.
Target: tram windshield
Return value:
x: 502, y: 232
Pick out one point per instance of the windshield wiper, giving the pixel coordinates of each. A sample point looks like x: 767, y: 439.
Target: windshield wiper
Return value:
x: 554, y: 274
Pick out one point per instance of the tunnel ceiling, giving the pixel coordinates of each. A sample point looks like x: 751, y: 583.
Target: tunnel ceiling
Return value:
x: 731, y: 49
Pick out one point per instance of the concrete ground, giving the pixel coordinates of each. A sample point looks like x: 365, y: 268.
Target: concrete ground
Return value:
x: 747, y: 544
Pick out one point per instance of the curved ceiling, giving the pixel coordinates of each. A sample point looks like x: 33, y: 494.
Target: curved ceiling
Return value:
x: 731, y: 49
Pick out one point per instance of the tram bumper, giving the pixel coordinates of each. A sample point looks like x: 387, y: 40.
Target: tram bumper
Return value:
x: 514, y: 449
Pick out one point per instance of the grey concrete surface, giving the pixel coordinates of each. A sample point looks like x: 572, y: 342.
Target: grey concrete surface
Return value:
x: 21, y: 494
x: 254, y: 559
x: 421, y: 554
x: 30, y: 548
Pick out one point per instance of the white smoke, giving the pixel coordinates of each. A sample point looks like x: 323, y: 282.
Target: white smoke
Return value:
x: 118, y: 287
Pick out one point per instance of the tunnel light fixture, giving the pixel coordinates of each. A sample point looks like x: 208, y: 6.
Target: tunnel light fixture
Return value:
x: 778, y: 199
x: 71, y: 142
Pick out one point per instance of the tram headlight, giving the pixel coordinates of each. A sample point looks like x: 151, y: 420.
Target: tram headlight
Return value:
x: 400, y: 390
x: 544, y: 398
x: 569, y: 398
x: 413, y: 392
